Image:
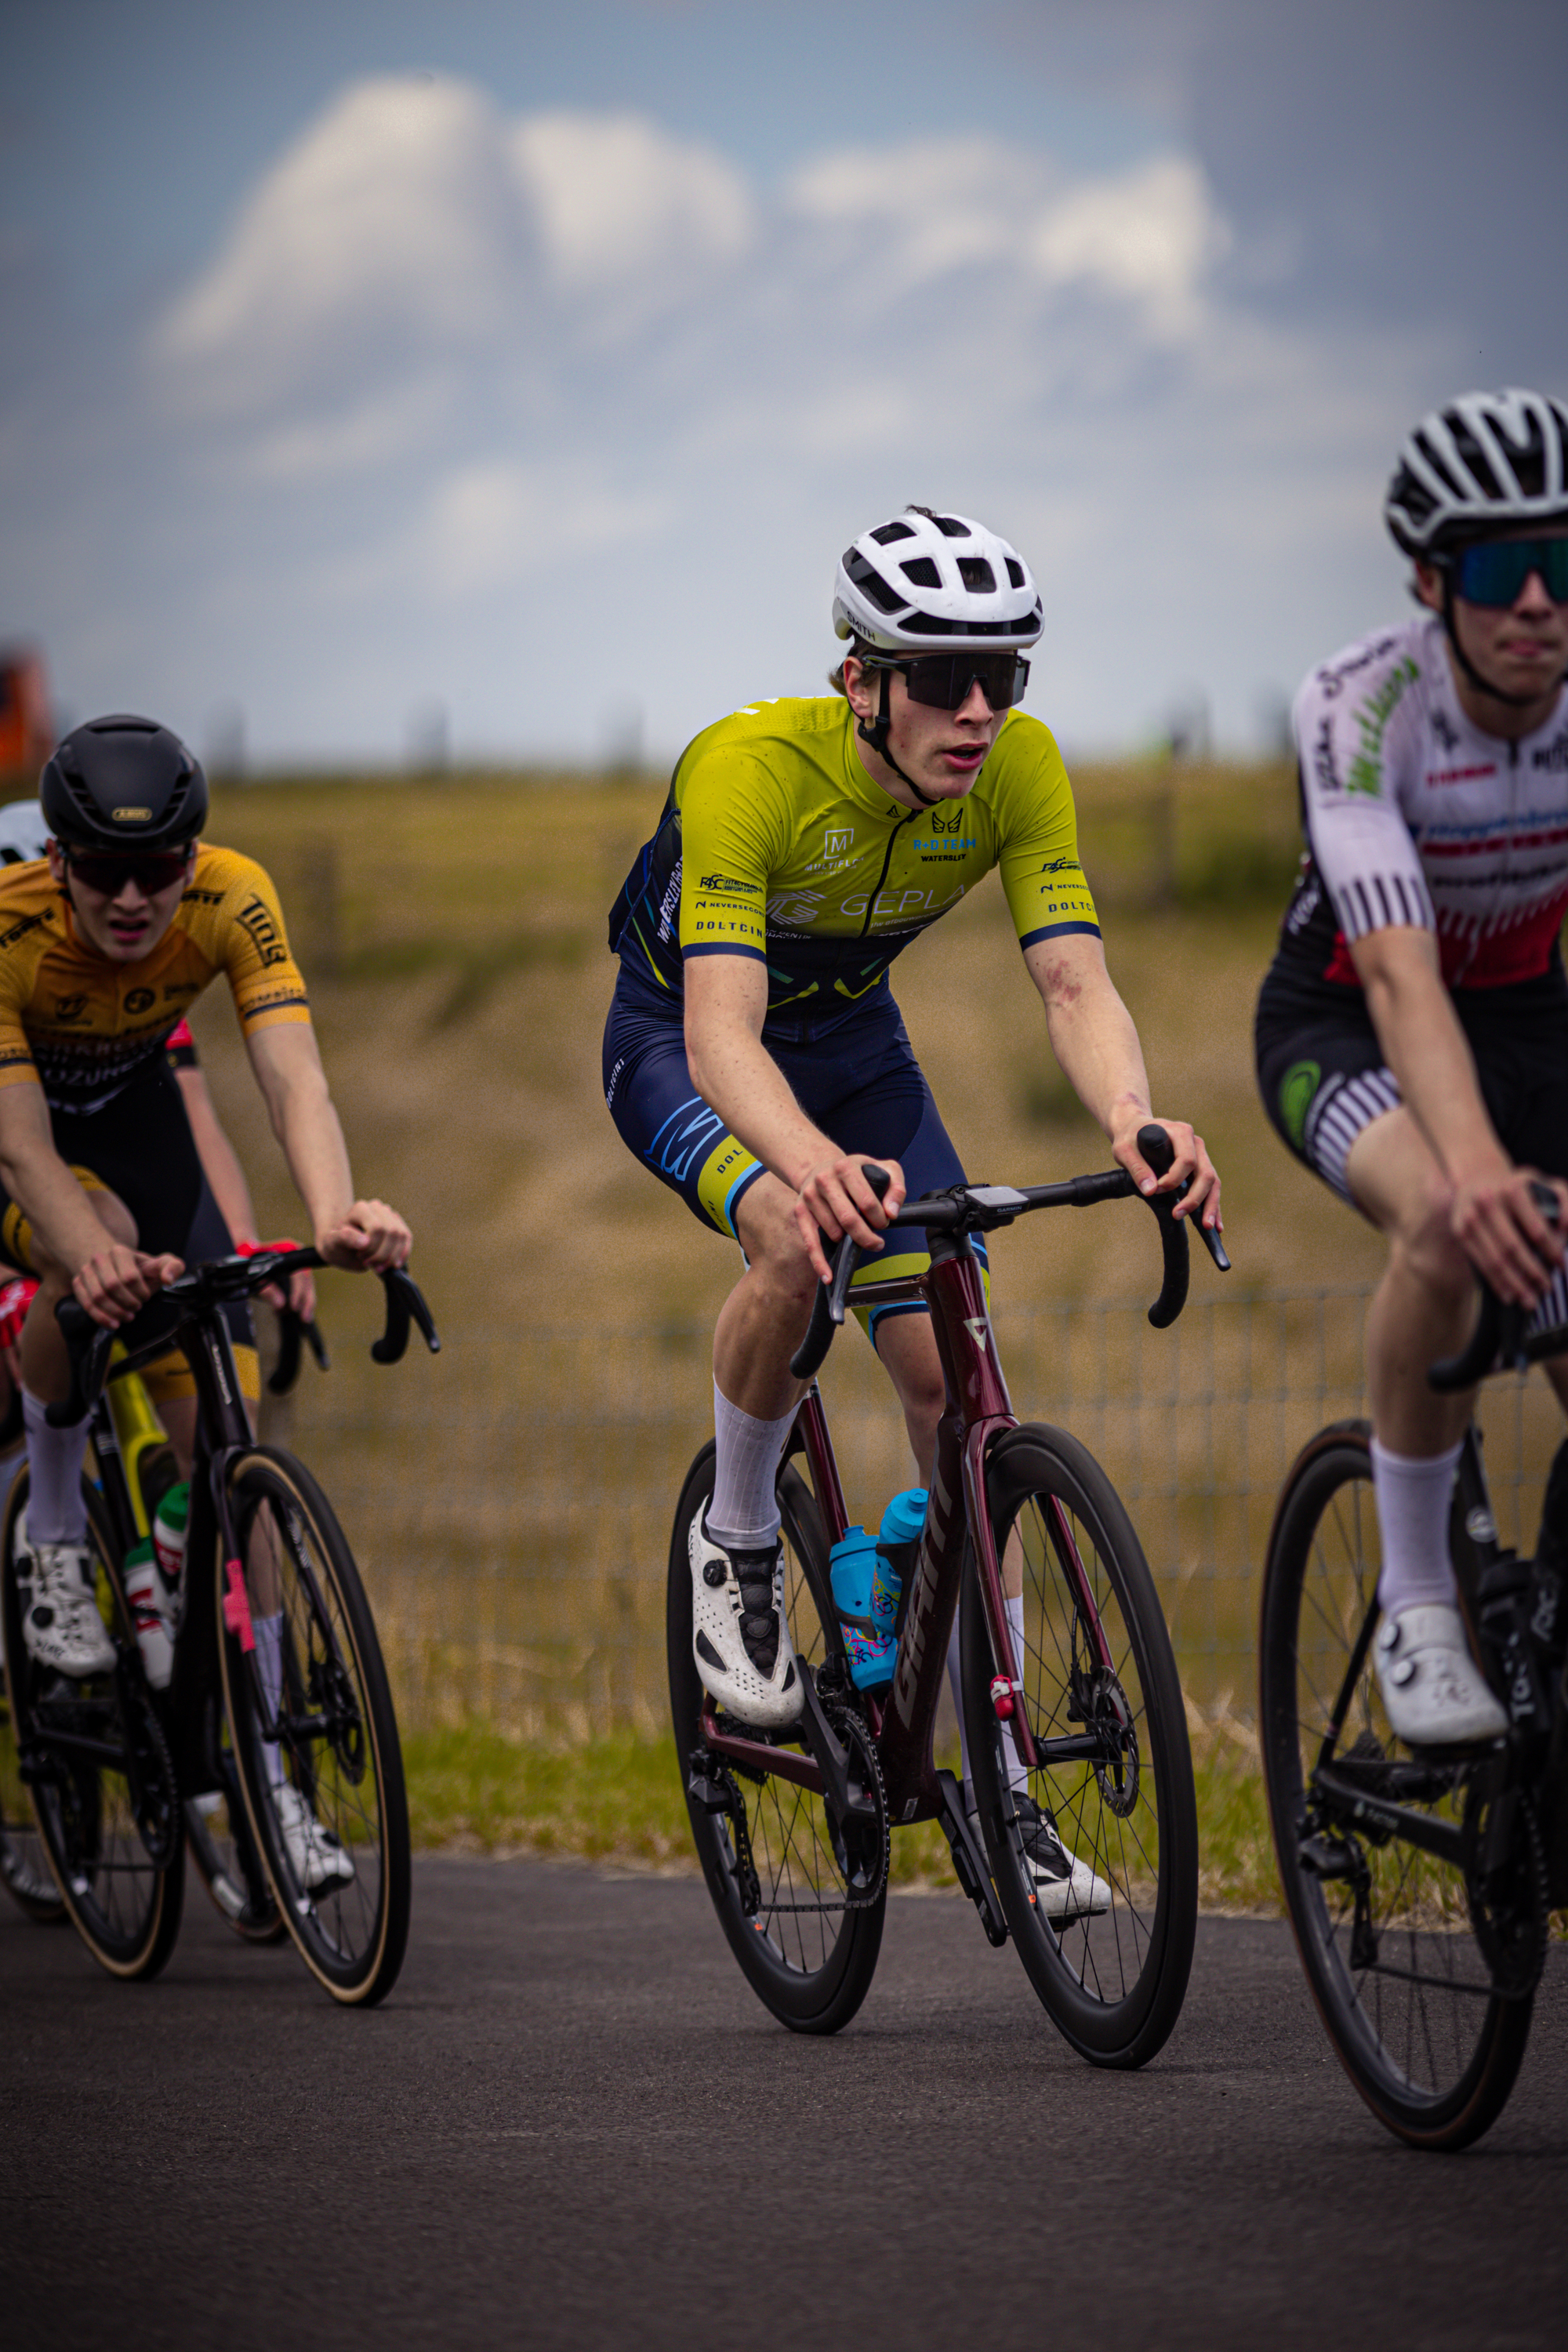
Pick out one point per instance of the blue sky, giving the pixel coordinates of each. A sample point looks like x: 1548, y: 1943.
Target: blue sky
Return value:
x: 536, y: 363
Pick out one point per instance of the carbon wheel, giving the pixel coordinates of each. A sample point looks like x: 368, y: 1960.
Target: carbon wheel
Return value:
x: 315, y: 1739
x: 102, y: 1791
x: 1401, y: 1963
x: 1100, y: 1680
x: 803, y: 1912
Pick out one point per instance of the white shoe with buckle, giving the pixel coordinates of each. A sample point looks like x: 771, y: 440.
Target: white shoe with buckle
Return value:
x: 740, y: 1638
x: 1434, y: 1694
x: 317, y: 1856
x: 62, y: 1627
x: 1065, y: 1887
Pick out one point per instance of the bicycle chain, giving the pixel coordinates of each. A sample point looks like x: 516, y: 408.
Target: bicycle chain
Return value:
x: 851, y: 1731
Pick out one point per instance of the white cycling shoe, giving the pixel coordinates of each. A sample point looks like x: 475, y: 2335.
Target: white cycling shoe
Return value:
x: 1433, y: 1691
x: 63, y: 1627
x: 1065, y: 1887
x: 740, y: 1637
x: 317, y: 1856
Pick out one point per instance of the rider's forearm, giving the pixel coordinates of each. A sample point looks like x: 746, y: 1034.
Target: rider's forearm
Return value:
x: 306, y: 1124
x: 1092, y: 1036
x: 65, y: 1230
x: 738, y: 1078
x: 1428, y: 1051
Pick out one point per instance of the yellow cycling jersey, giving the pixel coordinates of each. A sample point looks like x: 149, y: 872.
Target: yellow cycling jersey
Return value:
x: 775, y: 842
x: 83, y: 1027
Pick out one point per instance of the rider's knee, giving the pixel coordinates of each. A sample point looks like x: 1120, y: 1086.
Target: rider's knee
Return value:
x: 1424, y: 1241
x: 776, y: 1252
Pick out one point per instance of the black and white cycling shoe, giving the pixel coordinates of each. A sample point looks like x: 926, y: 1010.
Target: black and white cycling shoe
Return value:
x: 1065, y: 1887
x: 1434, y: 1694
x: 62, y: 1627
x: 740, y: 1639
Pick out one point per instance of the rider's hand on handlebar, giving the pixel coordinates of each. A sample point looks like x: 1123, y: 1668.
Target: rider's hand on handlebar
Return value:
x: 116, y: 1280
x: 368, y: 1240
x: 1192, y: 1159
x: 1503, y: 1234
x: 837, y: 1197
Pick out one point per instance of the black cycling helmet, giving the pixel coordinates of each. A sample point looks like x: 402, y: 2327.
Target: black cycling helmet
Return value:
x: 123, y: 782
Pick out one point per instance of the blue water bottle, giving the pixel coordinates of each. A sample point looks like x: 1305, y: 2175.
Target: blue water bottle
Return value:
x: 852, y: 1566
x: 896, y: 1540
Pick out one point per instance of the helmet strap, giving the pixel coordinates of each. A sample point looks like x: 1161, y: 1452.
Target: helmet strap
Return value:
x: 1482, y: 684
x: 875, y: 734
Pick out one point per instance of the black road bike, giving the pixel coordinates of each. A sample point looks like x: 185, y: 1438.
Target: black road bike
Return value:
x: 294, y: 1735
x: 1419, y: 1883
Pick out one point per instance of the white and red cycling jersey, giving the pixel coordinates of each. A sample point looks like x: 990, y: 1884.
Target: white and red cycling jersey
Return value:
x: 1413, y: 817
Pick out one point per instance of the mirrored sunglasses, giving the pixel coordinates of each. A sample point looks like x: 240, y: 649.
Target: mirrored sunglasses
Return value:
x: 1494, y: 573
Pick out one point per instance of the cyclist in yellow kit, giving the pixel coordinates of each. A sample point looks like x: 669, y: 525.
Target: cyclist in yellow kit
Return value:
x: 102, y: 951
x: 754, y: 1055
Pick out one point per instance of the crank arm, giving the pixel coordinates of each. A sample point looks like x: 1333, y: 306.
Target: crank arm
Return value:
x: 832, y: 1762
x: 968, y: 1862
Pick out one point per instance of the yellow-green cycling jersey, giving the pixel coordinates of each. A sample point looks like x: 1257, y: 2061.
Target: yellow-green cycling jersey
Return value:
x: 775, y: 842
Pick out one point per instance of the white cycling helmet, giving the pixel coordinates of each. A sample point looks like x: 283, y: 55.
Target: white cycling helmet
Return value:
x: 23, y: 834
x: 1489, y: 463
x: 926, y: 583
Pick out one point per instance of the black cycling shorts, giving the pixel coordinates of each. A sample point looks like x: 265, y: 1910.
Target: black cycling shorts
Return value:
x: 1323, y: 1079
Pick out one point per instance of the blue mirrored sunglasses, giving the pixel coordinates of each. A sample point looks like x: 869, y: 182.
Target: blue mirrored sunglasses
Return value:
x: 1494, y: 573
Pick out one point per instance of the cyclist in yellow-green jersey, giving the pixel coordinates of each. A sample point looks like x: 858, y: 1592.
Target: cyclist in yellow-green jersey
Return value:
x: 754, y: 1055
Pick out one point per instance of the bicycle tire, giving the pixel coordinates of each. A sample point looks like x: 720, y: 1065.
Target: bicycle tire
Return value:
x: 25, y: 1871
x: 124, y: 1904
x: 1113, y: 1981
x: 340, y: 1753
x: 812, y: 1969
x: 1434, y: 2055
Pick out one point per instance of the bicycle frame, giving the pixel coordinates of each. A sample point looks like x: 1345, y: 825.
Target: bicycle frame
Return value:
x: 978, y: 1412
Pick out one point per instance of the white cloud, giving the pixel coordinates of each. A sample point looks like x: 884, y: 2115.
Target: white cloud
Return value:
x: 508, y: 405
x: 615, y: 196
x: 1150, y: 235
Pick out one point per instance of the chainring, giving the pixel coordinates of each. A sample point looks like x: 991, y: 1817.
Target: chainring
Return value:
x: 1509, y: 1906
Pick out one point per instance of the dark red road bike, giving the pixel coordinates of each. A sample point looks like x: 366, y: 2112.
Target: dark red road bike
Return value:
x: 794, y: 1827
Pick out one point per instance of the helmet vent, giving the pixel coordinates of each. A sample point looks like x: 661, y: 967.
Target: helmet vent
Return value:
x: 1014, y: 572
x: 872, y: 584
x: 1474, y: 456
x: 977, y: 574
x: 922, y: 571
x: 950, y: 527
x: 889, y: 532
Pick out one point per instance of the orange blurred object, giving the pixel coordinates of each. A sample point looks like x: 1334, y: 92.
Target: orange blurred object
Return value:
x: 26, y: 733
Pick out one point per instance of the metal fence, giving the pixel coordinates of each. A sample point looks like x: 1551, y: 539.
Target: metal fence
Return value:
x: 510, y: 1503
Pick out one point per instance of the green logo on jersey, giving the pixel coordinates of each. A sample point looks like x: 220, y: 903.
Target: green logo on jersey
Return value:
x: 1297, y: 1089
x: 1365, y: 774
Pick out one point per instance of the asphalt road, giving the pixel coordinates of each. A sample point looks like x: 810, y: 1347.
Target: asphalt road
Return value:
x: 572, y: 2125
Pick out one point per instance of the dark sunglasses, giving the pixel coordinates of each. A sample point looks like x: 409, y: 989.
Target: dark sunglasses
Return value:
x: 158, y: 870
x: 941, y: 681
x: 1494, y: 573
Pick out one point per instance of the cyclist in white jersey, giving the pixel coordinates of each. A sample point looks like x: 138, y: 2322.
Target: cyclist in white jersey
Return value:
x: 1411, y: 1031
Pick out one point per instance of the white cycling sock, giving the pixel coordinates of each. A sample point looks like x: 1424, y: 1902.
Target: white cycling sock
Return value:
x: 743, y: 1515
x: 1413, y: 1499
x: 56, y: 1508
x: 269, y: 1632
x: 1017, y: 1777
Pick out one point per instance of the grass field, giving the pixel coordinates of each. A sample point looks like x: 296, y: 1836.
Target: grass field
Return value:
x: 453, y: 933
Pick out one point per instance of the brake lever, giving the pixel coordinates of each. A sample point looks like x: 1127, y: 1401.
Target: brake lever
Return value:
x: 86, y: 1352
x: 1160, y: 1153
x: 405, y: 1302
x: 827, y: 1306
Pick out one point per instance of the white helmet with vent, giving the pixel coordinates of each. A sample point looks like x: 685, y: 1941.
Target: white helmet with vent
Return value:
x: 926, y: 583
x: 1489, y: 463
